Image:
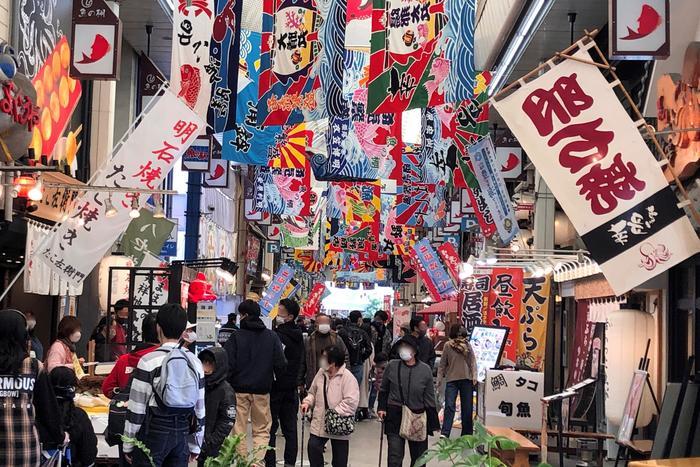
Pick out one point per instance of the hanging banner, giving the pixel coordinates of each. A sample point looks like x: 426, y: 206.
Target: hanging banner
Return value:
x: 534, y: 313
x: 482, y: 156
x: 301, y: 61
x: 505, y: 300
x: 276, y: 288
x: 224, y: 58
x: 402, y: 271
x: 146, y: 234
x: 475, y: 299
x: 422, y: 54
x: 421, y: 198
x: 639, y: 29
x: 600, y: 169
x: 431, y: 270
x: 141, y: 162
x: 313, y: 303
x: 356, y: 227
x: 450, y: 258
x: 191, y: 72
x: 150, y: 78
x: 95, y: 41
x: 395, y: 238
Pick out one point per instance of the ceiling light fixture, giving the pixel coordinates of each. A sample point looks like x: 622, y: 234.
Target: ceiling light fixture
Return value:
x: 159, y: 213
x: 37, y: 192
x: 110, y: 210
x: 134, y: 213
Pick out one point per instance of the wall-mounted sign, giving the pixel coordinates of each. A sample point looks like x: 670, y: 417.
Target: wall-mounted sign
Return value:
x: 96, y: 41
x: 217, y: 177
x: 639, y: 29
x: 196, y: 158
x: 509, y: 156
x: 150, y: 79
x: 273, y: 247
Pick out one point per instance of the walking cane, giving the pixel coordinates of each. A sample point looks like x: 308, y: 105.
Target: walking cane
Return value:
x: 381, y: 443
x: 303, y: 419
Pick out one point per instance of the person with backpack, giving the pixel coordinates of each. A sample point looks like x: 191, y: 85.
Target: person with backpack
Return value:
x: 358, y: 344
x: 229, y: 327
x: 72, y: 419
x: 220, y: 402
x: 284, y: 398
x: 29, y: 404
x: 322, y: 337
x: 255, y: 355
x: 166, y: 402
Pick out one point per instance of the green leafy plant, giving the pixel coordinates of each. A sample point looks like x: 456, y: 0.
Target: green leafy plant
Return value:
x: 140, y: 446
x: 469, y: 450
x: 228, y: 455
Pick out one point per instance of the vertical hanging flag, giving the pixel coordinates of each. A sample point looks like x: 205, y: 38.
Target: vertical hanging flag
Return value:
x: 533, y: 322
x: 223, y: 59
x: 504, y: 305
x: 483, y: 159
x: 422, y: 54
x: 600, y: 169
x: 313, y: 303
x: 451, y: 260
x: 475, y: 299
x: 433, y: 273
x: 191, y: 73
x: 276, y: 288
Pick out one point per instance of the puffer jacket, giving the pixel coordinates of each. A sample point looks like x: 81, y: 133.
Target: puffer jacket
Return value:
x: 220, y: 405
x: 343, y: 396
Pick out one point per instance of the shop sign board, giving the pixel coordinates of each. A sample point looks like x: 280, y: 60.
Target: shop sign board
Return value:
x: 141, y: 162
x: 487, y: 343
x: 474, y: 298
x: 279, y: 284
x: 534, y: 313
x: 95, y: 41
x: 482, y: 155
x: 150, y: 77
x: 218, y: 175
x: 433, y: 273
x: 206, y: 322
x: 594, y: 159
x: 639, y: 29
x: 146, y: 234
x: 197, y: 156
x: 504, y: 305
x: 402, y: 316
x: 509, y: 155
x: 252, y: 255
x: 513, y: 399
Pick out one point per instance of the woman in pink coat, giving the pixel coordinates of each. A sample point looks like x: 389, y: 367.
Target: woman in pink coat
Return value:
x: 343, y: 396
x: 62, y: 351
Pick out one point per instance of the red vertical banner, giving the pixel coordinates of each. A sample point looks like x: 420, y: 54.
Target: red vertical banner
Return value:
x: 505, y: 296
x: 450, y: 259
x: 313, y: 303
x: 387, y: 304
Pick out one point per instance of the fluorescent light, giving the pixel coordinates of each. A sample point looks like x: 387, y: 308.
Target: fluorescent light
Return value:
x: 522, y: 37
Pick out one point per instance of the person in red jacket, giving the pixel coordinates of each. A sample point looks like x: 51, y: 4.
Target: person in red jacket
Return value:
x: 125, y: 365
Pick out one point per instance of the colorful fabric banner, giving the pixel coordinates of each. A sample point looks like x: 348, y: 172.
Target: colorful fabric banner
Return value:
x: 302, y: 60
x: 142, y: 161
x: 224, y: 55
x: 313, y: 303
x: 422, y: 54
x: 304, y: 232
x: 276, y: 288
x: 433, y: 273
x: 505, y: 300
x: 592, y: 156
x: 191, y: 70
x: 395, y: 239
x: 450, y: 258
x: 283, y: 191
x: 146, y: 234
x: 357, y: 227
x: 421, y: 199
x: 475, y: 299
x: 482, y: 156
x: 533, y: 322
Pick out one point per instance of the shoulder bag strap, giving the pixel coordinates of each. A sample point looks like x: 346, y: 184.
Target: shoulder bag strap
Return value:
x: 410, y: 373
x: 325, y: 395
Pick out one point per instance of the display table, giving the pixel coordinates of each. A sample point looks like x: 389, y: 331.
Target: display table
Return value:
x: 518, y: 457
x: 687, y: 462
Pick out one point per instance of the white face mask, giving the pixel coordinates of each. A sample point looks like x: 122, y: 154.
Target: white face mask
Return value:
x: 280, y: 319
x: 324, y: 328
x: 323, y: 363
x: 405, y: 353
x: 75, y: 337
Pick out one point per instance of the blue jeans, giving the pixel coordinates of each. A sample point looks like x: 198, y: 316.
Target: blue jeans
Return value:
x: 357, y: 371
x: 465, y: 389
x: 166, y: 437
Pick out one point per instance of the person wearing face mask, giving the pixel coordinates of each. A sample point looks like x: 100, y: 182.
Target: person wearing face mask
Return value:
x: 320, y: 339
x: 117, y: 333
x: 36, y: 346
x: 426, y: 350
x: 284, y: 398
x: 62, y: 351
x: 406, y: 382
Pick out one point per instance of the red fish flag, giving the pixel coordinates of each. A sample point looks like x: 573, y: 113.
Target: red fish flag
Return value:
x: 505, y: 295
x: 313, y: 302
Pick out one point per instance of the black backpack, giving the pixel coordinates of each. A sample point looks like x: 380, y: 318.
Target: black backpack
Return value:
x: 359, y: 347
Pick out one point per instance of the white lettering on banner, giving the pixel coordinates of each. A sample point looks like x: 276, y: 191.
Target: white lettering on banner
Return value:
x: 593, y: 158
x: 141, y: 162
x: 191, y: 72
x: 482, y: 155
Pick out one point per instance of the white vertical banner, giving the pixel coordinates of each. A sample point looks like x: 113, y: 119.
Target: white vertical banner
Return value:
x: 482, y: 155
x: 595, y: 161
x: 190, y: 70
x: 141, y: 162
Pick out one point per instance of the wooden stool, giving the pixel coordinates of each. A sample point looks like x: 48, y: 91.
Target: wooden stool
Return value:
x: 519, y: 457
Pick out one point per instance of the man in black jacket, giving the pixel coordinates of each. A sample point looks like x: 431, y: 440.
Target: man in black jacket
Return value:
x: 219, y: 402
x: 255, y: 354
x: 426, y: 351
x: 227, y: 329
x: 284, y: 399
x: 358, y: 344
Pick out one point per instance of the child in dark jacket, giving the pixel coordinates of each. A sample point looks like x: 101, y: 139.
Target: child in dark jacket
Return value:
x: 220, y: 401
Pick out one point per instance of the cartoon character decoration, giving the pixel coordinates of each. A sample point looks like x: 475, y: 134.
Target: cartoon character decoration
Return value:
x: 200, y: 290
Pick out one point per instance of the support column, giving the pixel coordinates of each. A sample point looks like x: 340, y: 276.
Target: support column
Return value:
x: 544, y: 215
x: 192, y: 213
x: 241, y: 236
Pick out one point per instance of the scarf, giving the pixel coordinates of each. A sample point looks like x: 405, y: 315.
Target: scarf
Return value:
x: 69, y: 344
x: 459, y: 345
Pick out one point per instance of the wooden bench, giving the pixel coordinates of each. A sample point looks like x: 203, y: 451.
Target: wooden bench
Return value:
x: 687, y: 462
x: 599, y: 437
x: 519, y: 457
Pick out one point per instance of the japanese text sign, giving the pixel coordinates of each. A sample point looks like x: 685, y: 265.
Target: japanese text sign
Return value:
x: 475, y: 299
x: 513, y: 399
x: 533, y: 322
x: 146, y: 234
x: 487, y: 343
x: 141, y: 162
x: 313, y: 303
x: 433, y: 273
x: 451, y: 259
x: 601, y: 171
x: 482, y: 155
x: 276, y: 289
x: 504, y: 305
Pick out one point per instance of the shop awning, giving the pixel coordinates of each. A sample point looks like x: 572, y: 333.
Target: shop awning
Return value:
x: 448, y: 306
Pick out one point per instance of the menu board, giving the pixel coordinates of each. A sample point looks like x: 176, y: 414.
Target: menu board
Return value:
x: 488, y: 343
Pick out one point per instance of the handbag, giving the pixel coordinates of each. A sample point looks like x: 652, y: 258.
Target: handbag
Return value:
x: 414, y: 425
x: 336, y: 424
x: 116, y: 418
